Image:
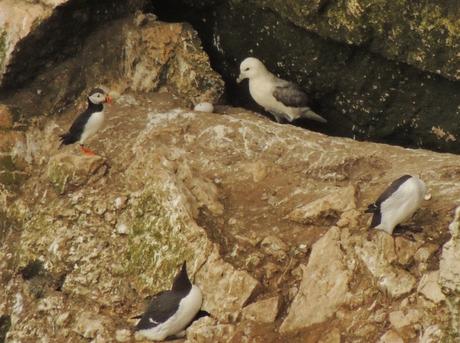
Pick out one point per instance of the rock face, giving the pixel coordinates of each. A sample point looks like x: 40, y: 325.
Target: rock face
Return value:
x: 270, y: 218
x: 169, y: 53
x: 378, y: 256
x: 33, y: 33
x: 110, y: 58
x: 64, y: 255
x: 324, y: 285
x: 449, y: 273
x: 378, y: 70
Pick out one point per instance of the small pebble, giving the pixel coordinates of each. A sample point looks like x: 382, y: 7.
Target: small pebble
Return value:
x: 120, y: 202
x: 122, y: 229
x: 122, y: 335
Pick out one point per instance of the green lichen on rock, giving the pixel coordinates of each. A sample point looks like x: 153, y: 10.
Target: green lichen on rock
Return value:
x: 38, y: 228
x: 2, y: 48
x: 58, y: 177
x: 156, y: 247
x: 10, y: 175
x: 69, y: 171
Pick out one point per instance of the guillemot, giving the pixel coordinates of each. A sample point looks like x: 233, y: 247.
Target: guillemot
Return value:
x: 170, y: 312
x: 397, y: 203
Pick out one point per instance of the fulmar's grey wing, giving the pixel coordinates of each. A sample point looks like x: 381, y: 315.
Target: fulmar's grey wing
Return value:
x: 289, y: 94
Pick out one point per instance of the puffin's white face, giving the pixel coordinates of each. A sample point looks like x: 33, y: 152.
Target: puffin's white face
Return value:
x: 251, y: 67
x: 98, y: 97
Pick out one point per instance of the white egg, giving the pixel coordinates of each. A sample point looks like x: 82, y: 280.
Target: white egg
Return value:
x: 204, y: 107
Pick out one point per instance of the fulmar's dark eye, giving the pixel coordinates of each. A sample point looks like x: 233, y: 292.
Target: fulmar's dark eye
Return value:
x: 247, y: 69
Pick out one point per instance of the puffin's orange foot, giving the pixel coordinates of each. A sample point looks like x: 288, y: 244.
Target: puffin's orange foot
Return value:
x: 87, y: 151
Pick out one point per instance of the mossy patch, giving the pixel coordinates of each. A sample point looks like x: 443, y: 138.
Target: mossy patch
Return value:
x: 156, y: 247
x: 2, y: 48
x: 37, y: 228
x: 9, y: 173
x: 59, y: 177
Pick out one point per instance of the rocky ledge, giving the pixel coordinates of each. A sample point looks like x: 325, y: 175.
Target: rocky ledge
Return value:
x: 269, y: 217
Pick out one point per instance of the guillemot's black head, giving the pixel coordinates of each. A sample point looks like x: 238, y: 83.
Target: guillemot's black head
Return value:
x: 98, y: 96
x: 181, y: 281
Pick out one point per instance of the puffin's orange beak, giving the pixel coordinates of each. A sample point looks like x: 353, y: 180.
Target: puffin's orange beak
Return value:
x: 108, y: 99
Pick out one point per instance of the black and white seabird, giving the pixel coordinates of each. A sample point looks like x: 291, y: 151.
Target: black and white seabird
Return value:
x: 88, y: 122
x: 283, y: 99
x: 397, y: 203
x: 170, y: 312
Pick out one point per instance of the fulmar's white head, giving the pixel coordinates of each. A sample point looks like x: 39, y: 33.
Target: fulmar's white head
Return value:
x: 250, y: 68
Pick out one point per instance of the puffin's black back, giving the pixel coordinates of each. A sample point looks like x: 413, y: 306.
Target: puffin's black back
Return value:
x: 76, y: 130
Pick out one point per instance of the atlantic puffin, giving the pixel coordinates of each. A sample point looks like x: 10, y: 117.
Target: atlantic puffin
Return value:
x: 283, y: 99
x: 88, y: 122
x: 397, y: 203
x: 170, y: 312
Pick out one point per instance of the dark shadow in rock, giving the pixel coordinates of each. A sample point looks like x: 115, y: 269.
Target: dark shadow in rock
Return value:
x: 5, y: 324
x: 32, y: 269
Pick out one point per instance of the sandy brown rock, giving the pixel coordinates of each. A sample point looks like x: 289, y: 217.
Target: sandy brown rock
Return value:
x: 70, y: 170
x: 6, y: 118
x: 378, y: 256
x: 227, y: 289
x: 336, y: 202
x: 324, y: 286
x: 209, y: 330
x: 262, y: 311
x: 158, y: 52
x: 401, y: 319
x: 430, y: 288
x: 449, y: 270
x: 391, y: 337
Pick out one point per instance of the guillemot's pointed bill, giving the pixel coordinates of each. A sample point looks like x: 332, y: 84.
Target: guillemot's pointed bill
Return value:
x: 88, y: 122
x: 283, y: 99
x: 170, y: 312
x: 397, y: 203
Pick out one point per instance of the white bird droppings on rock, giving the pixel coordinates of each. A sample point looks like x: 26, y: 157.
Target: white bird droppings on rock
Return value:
x: 122, y: 229
x: 120, y: 202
